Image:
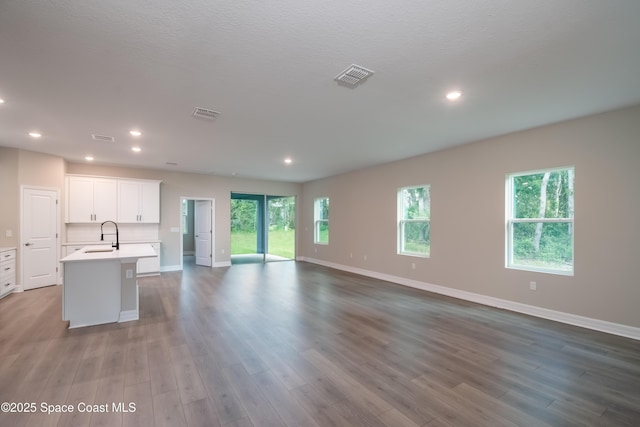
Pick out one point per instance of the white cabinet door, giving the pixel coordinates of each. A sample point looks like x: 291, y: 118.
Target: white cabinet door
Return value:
x: 80, y: 199
x: 91, y: 199
x: 105, y: 199
x: 150, y: 202
x: 128, y: 201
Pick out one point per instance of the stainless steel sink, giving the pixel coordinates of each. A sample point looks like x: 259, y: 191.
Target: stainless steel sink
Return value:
x: 92, y: 251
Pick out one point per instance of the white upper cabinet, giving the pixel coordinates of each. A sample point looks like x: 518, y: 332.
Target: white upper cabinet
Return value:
x: 138, y: 201
x: 97, y: 199
x: 91, y: 199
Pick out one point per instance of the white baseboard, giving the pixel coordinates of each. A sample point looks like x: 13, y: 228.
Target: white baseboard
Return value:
x: 222, y: 264
x: 558, y: 316
x: 188, y: 253
x: 170, y: 268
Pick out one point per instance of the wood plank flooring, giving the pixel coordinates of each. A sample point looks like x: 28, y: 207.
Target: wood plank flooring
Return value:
x: 295, y: 344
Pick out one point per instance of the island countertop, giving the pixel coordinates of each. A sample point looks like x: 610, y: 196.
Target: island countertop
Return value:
x: 128, y: 252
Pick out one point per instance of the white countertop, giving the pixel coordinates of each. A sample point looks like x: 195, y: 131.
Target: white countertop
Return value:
x: 2, y: 249
x: 122, y: 242
x: 132, y: 252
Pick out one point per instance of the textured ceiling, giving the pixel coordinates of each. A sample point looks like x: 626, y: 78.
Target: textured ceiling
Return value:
x: 72, y: 68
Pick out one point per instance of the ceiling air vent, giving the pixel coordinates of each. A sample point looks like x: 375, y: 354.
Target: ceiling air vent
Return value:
x: 353, y: 75
x: 102, y: 138
x: 205, y: 113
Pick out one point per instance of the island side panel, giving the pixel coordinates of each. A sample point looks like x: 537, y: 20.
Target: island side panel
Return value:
x: 91, y: 293
x: 129, y: 292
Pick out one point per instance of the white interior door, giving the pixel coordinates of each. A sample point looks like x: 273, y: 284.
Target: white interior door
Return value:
x: 39, y: 238
x: 203, y: 231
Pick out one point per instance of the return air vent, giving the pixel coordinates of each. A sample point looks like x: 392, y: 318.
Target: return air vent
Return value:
x: 353, y: 75
x: 205, y: 113
x: 102, y: 138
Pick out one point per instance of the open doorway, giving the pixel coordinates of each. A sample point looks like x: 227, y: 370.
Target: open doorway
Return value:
x: 197, y: 228
x: 262, y: 228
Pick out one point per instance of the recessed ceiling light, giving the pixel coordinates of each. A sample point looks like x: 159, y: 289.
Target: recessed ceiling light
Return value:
x: 136, y: 149
x: 135, y: 132
x: 88, y: 158
x: 288, y: 160
x: 1, y: 101
x: 453, y: 95
x: 35, y: 134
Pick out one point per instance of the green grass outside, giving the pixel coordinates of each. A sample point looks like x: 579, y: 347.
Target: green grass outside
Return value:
x: 415, y: 247
x: 281, y: 243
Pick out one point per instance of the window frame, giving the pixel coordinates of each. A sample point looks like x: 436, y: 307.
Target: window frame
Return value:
x: 510, y: 221
x: 318, y: 219
x: 401, y: 221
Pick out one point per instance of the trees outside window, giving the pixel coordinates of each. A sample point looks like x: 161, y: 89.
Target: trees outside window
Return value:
x: 321, y: 224
x: 540, y: 209
x: 414, y: 226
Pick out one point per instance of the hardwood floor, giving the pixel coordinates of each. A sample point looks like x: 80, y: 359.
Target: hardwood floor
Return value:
x: 295, y: 344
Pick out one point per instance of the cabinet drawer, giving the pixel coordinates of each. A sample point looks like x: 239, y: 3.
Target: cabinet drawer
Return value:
x: 7, y: 269
x: 7, y: 285
x: 8, y: 255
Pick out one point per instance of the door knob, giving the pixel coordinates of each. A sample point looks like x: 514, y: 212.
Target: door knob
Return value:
x: 28, y: 244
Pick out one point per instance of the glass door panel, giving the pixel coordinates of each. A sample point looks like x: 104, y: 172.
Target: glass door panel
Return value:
x: 281, y: 228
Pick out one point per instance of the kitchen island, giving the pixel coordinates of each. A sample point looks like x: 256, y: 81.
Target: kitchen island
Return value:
x: 100, y: 284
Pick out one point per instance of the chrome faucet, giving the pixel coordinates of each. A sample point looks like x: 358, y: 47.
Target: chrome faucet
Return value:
x: 117, y: 244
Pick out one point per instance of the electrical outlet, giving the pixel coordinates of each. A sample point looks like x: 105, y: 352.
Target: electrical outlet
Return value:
x: 129, y: 274
x: 350, y: 254
x: 533, y: 286
x: 9, y: 233
x: 413, y: 265
x: 315, y: 250
x: 365, y: 257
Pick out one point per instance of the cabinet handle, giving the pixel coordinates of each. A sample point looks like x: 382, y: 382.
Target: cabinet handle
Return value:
x: 7, y: 284
x: 7, y: 269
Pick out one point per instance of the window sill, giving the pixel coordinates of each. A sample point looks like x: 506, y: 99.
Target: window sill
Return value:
x: 540, y: 270
x: 415, y: 255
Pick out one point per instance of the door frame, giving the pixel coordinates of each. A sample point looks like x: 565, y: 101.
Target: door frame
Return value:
x: 19, y: 286
x: 213, y: 228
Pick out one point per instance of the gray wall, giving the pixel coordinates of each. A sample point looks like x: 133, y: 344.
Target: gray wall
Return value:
x: 468, y: 216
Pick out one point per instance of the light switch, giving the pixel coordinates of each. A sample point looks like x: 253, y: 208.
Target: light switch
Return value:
x: 8, y: 233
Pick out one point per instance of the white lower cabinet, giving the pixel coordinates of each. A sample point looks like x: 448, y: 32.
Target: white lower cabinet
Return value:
x: 7, y: 270
x: 150, y: 266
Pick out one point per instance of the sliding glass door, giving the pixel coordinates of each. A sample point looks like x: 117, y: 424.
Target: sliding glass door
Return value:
x: 262, y: 228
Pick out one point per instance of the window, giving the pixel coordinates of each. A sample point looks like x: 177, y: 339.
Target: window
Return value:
x: 540, y: 221
x: 414, y: 228
x: 321, y: 225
